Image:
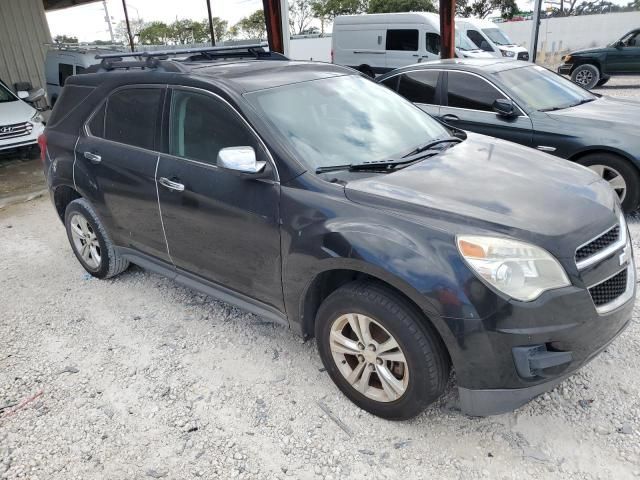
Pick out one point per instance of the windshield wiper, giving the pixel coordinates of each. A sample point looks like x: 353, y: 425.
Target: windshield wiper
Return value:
x: 429, y: 145
x: 380, y: 165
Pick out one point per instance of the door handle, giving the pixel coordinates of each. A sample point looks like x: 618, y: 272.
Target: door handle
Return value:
x: 450, y: 118
x: 173, y: 186
x: 92, y: 157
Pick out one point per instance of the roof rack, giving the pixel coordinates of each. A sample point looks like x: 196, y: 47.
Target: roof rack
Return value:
x: 257, y: 49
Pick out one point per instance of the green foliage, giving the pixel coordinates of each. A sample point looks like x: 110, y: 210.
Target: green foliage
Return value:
x: 252, y: 27
x: 329, y: 9
x: 391, y: 6
x: 182, y: 32
x: 65, y: 39
x: 482, y: 8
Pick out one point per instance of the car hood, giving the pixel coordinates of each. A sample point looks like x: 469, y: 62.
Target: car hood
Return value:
x: 605, y: 110
x: 588, y: 51
x: 497, y: 186
x: 15, y: 112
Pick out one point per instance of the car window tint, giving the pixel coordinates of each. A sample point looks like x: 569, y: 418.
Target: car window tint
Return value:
x: 634, y: 41
x: 64, y: 71
x: 391, y: 82
x: 419, y: 87
x: 201, y: 126
x: 405, y: 40
x: 79, y: 69
x: 478, y: 39
x: 132, y: 116
x: 469, y: 91
x: 433, y: 43
x: 96, y: 125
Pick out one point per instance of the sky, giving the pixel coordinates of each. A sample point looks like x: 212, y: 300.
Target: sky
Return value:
x: 87, y: 21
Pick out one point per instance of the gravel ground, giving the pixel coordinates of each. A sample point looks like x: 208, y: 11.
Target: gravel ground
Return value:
x: 623, y: 86
x: 137, y: 377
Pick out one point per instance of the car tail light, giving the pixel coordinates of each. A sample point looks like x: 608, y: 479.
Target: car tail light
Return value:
x: 42, y: 143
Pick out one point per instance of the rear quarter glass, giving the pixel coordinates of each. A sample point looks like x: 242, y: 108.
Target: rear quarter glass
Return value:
x: 70, y: 98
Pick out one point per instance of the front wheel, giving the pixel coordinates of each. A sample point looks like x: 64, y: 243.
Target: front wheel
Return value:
x: 620, y: 173
x: 587, y: 76
x: 379, y: 350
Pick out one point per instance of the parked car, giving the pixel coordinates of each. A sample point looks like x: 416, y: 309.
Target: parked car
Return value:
x: 378, y: 43
x: 530, y: 105
x: 595, y: 66
x: 491, y: 39
x: 312, y: 196
x: 63, y: 61
x: 20, y: 123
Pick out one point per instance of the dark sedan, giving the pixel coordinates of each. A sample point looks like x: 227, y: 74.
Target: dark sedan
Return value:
x: 533, y: 106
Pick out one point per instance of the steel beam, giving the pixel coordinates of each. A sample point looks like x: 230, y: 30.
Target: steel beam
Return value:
x: 126, y: 18
x: 447, y: 28
x: 213, y: 37
x: 273, y: 18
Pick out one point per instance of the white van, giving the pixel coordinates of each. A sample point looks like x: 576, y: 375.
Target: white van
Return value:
x: 489, y: 38
x: 20, y: 123
x: 66, y: 60
x: 381, y: 42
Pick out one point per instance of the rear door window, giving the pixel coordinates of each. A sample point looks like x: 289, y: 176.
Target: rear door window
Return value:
x: 471, y: 92
x: 402, y: 40
x: 132, y: 117
x: 65, y: 70
x: 419, y: 87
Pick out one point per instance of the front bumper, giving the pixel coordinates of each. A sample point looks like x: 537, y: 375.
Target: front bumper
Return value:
x: 565, y: 69
x: 23, y: 140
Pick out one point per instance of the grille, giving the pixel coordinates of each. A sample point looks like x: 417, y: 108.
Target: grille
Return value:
x: 609, y: 290
x: 600, y: 243
x: 15, y: 130
x: 523, y: 56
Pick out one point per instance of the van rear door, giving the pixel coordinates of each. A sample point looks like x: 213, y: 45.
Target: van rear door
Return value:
x: 359, y: 46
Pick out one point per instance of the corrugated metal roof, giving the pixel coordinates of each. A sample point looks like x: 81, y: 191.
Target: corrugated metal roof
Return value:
x: 58, y: 4
x: 23, y: 34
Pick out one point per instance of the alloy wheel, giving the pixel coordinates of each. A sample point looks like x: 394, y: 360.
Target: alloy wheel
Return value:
x: 584, y: 77
x: 615, y: 179
x: 369, y: 357
x: 85, y: 241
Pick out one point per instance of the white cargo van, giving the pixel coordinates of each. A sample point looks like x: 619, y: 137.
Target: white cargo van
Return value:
x: 489, y: 38
x: 381, y: 42
x: 66, y: 60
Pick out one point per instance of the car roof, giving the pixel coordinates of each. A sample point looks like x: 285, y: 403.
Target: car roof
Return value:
x: 477, y: 65
x: 242, y: 76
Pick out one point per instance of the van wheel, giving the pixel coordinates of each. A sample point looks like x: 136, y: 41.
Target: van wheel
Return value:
x: 621, y: 175
x: 379, y: 351
x: 587, y: 76
x: 366, y: 69
x: 90, y: 243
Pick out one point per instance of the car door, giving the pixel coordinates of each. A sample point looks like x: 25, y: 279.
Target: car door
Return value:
x: 468, y: 104
x: 419, y: 87
x: 116, y: 160
x: 402, y: 47
x: 220, y: 226
x: 625, y: 58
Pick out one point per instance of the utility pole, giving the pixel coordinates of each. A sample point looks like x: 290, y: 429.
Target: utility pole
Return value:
x: 213, y: 38
x: 447, y: 28
x: 535, y: 30
x: 126, y: 18
x: 107, y: 18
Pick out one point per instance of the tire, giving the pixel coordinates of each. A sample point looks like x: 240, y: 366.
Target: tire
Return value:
x: 603, y: 81
x: 419, y: 380
x: 103, y: 261
x: 366, y: 69
x: 609, y: 166
x: 587, y: 76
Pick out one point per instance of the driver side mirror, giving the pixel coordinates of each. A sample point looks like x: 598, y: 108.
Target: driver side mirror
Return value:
x: 22, y: 95
x: 242, y: 161
x: 504, y: 107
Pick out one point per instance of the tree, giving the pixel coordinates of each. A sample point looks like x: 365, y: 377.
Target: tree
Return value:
x: 327, y: 10
x: 596, y: 6
x: 184, y: 32
x: 391, y: 6
x: 300, y: 16
x: 65, y: 39
x: 482, y: 8
x: 155, y: 33
x: 121, y: 34
x: 634, y: 5
x: 252, y: 27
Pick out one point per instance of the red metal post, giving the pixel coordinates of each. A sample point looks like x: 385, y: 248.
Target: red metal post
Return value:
x: 273, y: 19
x: 447, y: 28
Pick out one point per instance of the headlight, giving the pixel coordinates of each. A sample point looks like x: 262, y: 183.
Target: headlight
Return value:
x: 567, y: 59
x: 37, y: 118
x: 508, y: 53
x: 520, y: 270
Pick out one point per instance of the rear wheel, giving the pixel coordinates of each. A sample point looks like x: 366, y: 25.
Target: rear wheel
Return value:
x: 379, y: 351
x: 90, y: 242
x: 587, y: 76
x: 621, y: 175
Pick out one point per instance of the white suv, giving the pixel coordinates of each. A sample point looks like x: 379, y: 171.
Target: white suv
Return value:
x: 20, y: 123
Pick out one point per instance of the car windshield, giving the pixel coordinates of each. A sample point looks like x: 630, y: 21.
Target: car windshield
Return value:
x: 6, y: 95
x: 543, y: 90
x: 346, y: 120
x: 497, y: 36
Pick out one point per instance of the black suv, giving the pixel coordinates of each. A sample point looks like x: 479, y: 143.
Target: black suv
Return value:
x: 595, y: 66
x: 316, y: 198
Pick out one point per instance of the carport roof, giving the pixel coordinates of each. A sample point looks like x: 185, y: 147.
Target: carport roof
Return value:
x: 58, y: 4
